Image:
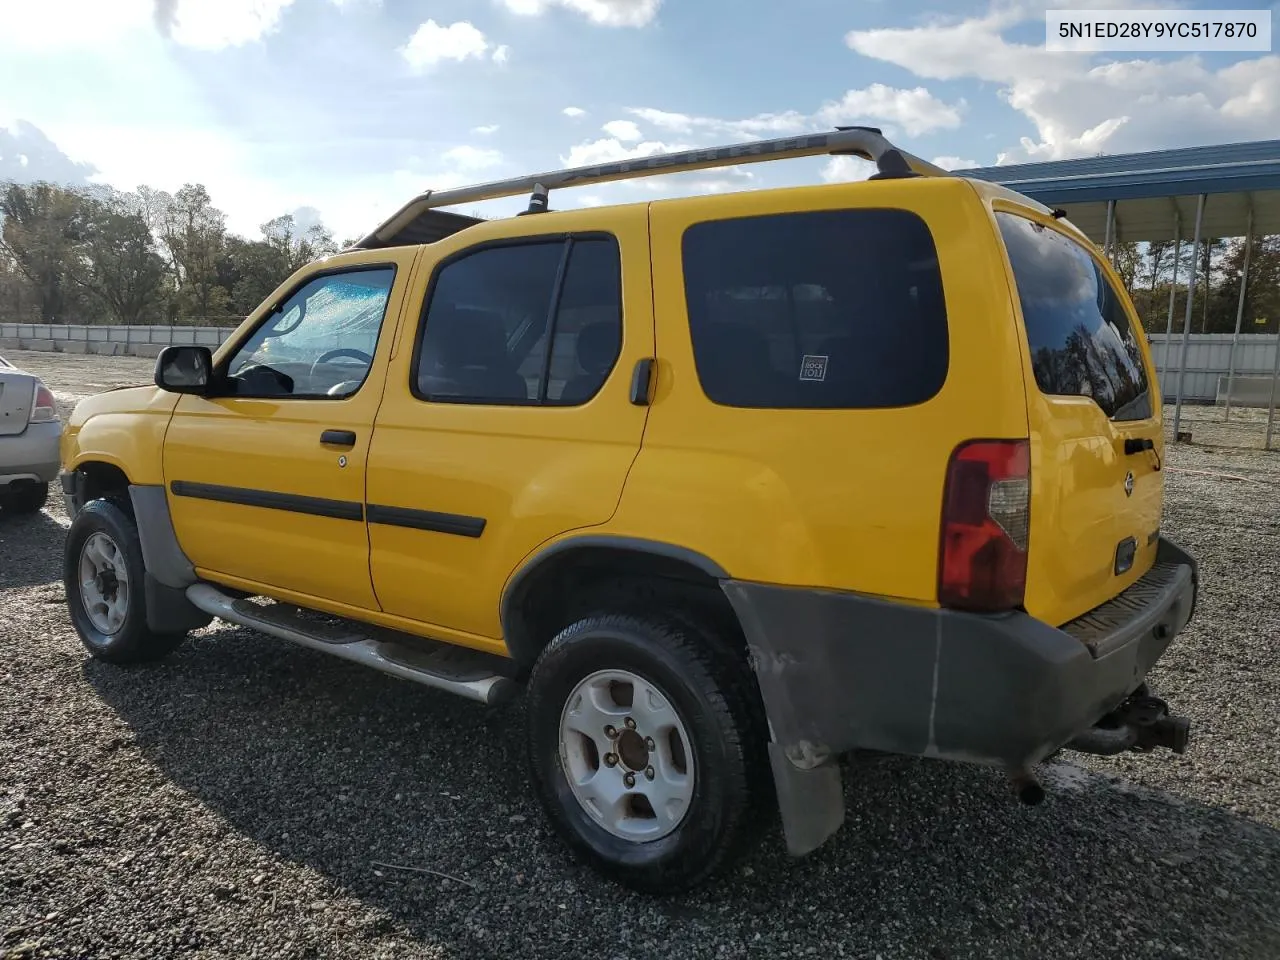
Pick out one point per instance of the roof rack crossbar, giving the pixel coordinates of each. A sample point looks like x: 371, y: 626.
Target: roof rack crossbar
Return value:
x: 865, y: 142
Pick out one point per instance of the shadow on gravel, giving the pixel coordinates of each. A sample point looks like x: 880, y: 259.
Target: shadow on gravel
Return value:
x: 335, y: 767
x: 30, y: 549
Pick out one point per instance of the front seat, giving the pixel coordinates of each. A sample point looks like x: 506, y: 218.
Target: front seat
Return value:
x: 467, y: 353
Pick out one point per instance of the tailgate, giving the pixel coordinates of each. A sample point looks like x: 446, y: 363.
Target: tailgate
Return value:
x: 16, y: 392
x: 1094, y: 418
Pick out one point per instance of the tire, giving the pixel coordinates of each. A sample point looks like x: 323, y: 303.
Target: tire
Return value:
x: 711, y: 799
x: 25, y: 498
x: 116, y: 632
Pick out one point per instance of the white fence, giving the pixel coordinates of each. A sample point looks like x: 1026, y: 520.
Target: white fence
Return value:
x: 105, y: 333
x: 1208, y: 358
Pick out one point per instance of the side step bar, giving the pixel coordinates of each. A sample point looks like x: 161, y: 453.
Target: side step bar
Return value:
x: 467, y: 673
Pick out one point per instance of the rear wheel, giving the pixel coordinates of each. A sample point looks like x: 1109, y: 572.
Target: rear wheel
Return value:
x: 103, y: 574
x: 642, y: 749
x: 24, y: 497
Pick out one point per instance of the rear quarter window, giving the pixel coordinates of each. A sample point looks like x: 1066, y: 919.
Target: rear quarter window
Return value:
x: 1081, y: 339
x: 817, y: 310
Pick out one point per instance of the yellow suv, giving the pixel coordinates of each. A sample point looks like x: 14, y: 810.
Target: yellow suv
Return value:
x: 730, y: 486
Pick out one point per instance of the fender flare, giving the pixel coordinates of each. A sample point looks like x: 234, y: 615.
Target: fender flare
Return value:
x: 512, y: 593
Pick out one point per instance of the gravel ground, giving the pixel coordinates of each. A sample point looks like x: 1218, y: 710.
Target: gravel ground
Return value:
x: 235, y: 799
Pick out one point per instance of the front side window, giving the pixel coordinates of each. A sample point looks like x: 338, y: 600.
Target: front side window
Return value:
x: 1081, y: 340
x: 492, y: 311
x: 833, y: 309
x: 319, y: 342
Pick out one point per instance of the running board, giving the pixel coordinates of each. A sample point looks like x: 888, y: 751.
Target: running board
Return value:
x: 467, y: 673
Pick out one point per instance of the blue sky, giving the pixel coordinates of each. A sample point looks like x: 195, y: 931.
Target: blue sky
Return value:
x: 352, y: 106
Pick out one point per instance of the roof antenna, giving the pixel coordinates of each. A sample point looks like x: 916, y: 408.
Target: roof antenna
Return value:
x: 538, y: 203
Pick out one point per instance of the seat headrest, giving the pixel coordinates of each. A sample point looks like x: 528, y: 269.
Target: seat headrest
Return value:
x: 468, y: 338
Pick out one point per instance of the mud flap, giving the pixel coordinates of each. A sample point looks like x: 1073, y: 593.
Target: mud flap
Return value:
x: 811, y: 801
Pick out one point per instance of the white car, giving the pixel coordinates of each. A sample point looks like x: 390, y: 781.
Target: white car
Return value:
x: 30, y: 434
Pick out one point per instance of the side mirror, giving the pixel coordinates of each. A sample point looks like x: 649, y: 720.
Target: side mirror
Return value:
x: 184, y: 369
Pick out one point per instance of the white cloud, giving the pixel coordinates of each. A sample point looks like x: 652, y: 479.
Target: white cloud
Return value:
x: 95, y: 24
x: 432, y: 43
x: 471, y: 158
x: 608, y: 13
x: 916, y: 110
x: 213, y: 26
x: 574, y: 112
x: 486, y: 129
x: 502, y: 54
x: 1081, y: 105
x: 955, y: 163
x: 27, y: 154
x: 609, y: 150
x: 844, y: 169
x: 763, y: 124
x: 624, y: 130
x: 71, y: 24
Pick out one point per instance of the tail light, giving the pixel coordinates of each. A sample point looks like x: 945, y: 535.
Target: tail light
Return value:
x: 44, y: 409
x: 986, y: 515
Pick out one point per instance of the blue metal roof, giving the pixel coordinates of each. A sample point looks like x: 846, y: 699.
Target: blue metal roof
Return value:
x: 1235, y: 176
x: 1224, y: 168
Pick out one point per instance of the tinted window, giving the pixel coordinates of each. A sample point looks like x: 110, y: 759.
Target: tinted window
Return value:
x: 1079, y: 333
x: 588, y: 333
x: 487, y: 324
x: 321, y: 340
x: 833, y: 309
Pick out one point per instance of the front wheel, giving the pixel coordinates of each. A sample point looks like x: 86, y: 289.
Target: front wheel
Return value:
x: 104, y: 577
x: 643, y: 748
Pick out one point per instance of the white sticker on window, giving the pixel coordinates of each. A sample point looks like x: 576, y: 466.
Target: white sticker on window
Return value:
x: 813, y: 367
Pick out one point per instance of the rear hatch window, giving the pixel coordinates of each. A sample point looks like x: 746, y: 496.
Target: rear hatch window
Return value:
x: 1082, y: 343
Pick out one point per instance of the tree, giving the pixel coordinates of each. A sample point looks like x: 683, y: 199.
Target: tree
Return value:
x: 43, y: 223
x: 117, y: 261
x: 193, y: 232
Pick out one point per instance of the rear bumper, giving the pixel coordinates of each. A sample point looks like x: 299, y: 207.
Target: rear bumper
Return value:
x: 31, y: 455
x: 839, y: 671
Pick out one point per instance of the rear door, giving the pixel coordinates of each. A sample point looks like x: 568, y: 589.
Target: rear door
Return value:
x: 16, y: 392
x: 506, y: 419
x: 1094, y: 413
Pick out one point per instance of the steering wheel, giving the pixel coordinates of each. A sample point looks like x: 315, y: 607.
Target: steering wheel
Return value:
x: 344, y: 352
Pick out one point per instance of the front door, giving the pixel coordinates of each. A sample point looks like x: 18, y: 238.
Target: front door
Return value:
x: 266, y: 478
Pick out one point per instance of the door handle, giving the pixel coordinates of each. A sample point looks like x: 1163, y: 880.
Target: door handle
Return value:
x: 339, y: 438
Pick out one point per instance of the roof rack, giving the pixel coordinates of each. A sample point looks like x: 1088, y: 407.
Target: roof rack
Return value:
x: 866, y: 142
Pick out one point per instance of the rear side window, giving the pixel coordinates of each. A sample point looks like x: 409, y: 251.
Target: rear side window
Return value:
x: 831, y: 309
x: 1081, y: 340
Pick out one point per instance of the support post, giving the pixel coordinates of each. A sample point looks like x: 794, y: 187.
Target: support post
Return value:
x: 1173, y: 293
x: 1111, y: 226
x: 1275, y: 379
x: 1186, y: 325
x: 1244, y: 282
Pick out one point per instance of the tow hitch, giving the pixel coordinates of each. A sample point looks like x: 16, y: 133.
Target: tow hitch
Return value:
x: 1141, y: 723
